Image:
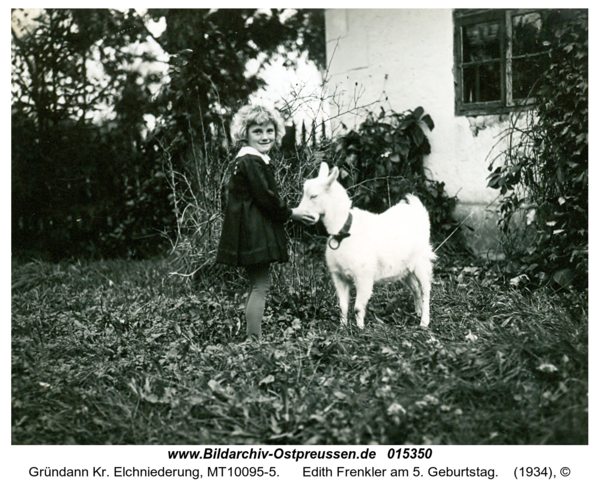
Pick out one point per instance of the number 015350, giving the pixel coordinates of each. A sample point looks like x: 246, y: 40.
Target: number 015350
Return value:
x: 410, y: 453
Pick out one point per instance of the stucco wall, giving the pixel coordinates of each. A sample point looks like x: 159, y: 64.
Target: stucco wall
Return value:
x: 407, y: 56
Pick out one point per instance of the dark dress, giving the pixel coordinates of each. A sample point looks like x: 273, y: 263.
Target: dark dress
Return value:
x: 253, y: 231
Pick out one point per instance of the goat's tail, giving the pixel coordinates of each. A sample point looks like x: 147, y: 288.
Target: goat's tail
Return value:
x: 413, y: 200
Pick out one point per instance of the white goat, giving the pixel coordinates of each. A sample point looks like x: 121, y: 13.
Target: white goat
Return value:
x: 365, y: 248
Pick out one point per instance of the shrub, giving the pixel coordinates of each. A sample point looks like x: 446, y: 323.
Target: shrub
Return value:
x: 380, y: 162
x: 85, y: 191
x: 543, y: 174
x: 383, y: 160
x: 198, y: 189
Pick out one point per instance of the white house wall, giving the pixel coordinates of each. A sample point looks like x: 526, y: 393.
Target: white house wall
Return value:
x: 407, y: 56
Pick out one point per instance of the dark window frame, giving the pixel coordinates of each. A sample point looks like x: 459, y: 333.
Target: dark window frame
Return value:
x: 467, y: 17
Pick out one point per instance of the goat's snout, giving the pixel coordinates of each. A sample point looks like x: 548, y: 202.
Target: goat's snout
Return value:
x: 312, y: 218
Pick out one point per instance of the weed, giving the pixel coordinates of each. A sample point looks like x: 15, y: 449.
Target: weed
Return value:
x: 121, y: 352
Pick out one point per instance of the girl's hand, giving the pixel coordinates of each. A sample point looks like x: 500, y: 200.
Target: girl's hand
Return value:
x: 304, y: 217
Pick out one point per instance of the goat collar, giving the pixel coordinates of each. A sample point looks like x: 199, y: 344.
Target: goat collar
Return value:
x: 337, y: 238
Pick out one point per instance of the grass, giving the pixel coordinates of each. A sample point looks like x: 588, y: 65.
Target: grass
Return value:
x: 121, y: 352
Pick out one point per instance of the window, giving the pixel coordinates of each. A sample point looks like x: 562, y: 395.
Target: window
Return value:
x: 498, y: 56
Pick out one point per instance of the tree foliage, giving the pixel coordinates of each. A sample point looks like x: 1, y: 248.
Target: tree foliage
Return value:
x: 544, y: 171
x: 208, y: 74
x: 86, y: 187
x: 72, y: 179
x: 53, y: 56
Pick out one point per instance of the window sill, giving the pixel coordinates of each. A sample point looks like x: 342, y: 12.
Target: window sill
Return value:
x: 489, y: 109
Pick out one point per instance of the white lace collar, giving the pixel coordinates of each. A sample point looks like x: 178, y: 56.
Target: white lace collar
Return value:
x: 249, y: 150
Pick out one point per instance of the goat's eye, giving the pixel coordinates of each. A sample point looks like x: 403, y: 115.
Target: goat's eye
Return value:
x: 313, y: 197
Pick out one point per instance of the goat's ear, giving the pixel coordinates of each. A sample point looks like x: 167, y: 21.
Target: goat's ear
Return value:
x: 323, y: 170
x: 333, y: 176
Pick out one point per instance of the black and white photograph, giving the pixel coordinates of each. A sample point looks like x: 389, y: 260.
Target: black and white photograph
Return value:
x: 299, y: 245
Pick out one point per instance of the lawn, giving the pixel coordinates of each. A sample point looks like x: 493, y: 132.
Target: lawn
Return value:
x: 124, y: 352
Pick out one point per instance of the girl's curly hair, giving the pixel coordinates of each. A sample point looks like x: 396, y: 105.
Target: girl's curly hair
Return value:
x: 255, y: 114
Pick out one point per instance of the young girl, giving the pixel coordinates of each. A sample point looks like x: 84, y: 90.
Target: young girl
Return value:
x: 253, y: 235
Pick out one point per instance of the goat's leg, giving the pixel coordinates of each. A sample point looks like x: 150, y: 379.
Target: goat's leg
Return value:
x: 364, y: 290
x: 425, y: 315
x: 424, y: 273
x: 342, y: 288
x: 415, y: 287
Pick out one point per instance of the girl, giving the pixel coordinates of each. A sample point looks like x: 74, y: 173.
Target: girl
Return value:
x: 253, y: 235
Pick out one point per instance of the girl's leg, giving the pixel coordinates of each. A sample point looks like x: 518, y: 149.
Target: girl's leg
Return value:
x: 260, y: 281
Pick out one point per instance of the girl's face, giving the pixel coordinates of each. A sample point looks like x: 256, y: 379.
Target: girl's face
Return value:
x: 261, y: 136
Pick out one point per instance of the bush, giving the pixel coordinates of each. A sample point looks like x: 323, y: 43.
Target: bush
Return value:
x: 198, y: 187
x: 85, y: 191
x: 543, y: 174
x: 380, y: 163
x: 383, y: 161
